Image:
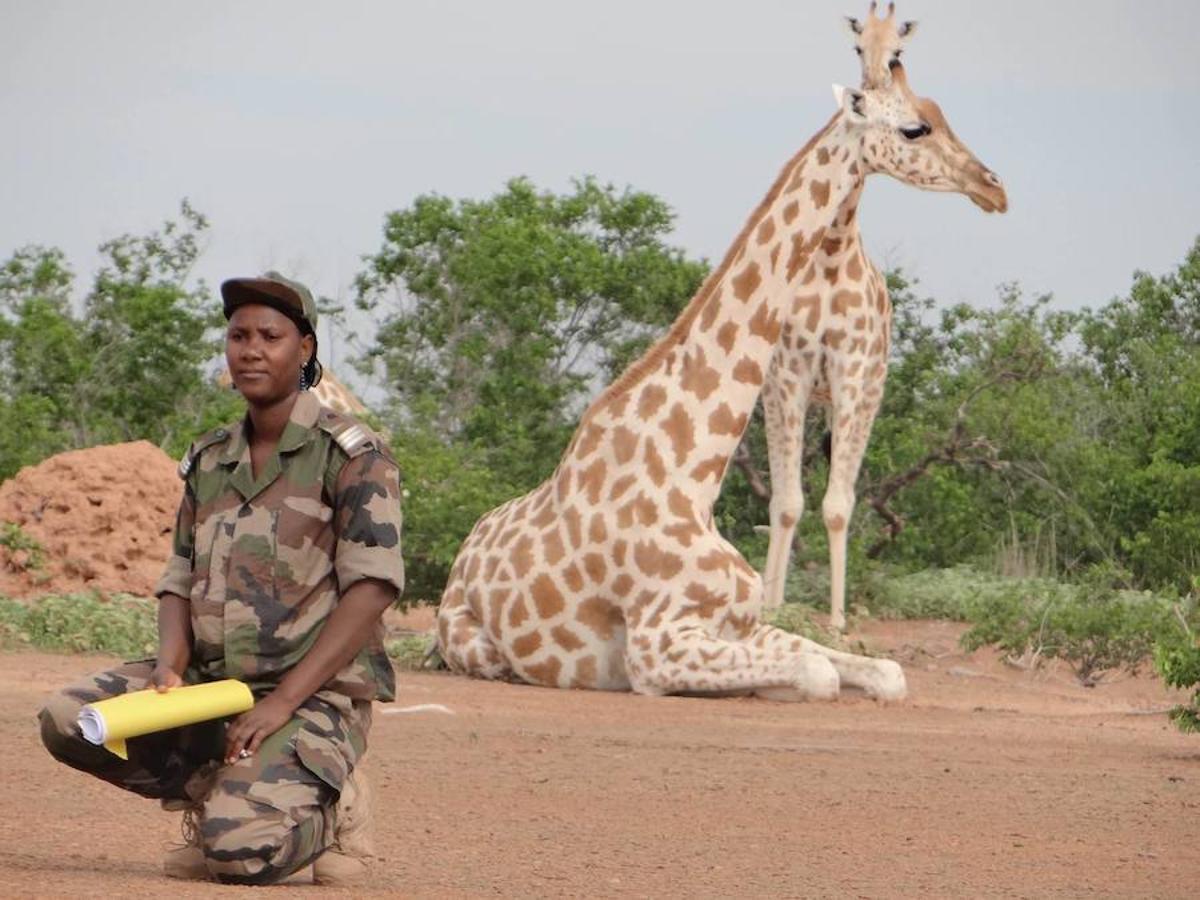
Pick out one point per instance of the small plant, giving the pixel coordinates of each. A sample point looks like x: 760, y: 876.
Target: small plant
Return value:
x: 23, y: 552
x: 1177, y: 659
x: 1094, y: 627
x: 122, y: 624
x: 797, y: 618
x: 408, y: 652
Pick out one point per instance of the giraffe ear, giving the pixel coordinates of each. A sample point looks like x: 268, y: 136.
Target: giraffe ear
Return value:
x: 906, y: 29
x: 851, y: 102
x: 855, y: 25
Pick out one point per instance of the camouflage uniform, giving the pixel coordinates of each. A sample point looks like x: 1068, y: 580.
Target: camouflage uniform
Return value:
x: 263, y: 562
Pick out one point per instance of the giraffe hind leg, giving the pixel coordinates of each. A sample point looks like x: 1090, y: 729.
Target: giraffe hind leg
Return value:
x: 464, y: 643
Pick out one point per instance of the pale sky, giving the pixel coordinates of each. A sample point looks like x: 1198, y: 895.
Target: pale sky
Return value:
x: 296, y: 126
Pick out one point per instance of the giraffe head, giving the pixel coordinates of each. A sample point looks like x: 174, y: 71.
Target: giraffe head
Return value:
x: 908, y: 137
x: 878, y: 43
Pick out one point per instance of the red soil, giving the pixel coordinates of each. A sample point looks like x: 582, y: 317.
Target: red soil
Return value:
x: 102, y: 516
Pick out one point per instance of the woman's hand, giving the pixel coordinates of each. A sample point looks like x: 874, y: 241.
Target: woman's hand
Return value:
x: 163, y: 678
x: 254, y: 726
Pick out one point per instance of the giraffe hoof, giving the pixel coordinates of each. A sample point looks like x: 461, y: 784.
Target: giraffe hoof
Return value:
x: 887, y: 682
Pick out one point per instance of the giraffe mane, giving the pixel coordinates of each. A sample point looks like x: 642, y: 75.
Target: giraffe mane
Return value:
x: 640, y: 368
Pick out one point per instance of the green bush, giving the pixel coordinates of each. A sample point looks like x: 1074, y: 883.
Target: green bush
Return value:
x: 22, y: 551
x: 122, y: 625
x: 1177, y: 659
x: 1094, y: 627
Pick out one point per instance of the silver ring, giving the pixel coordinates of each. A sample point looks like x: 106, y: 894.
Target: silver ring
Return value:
x: 242, y: 754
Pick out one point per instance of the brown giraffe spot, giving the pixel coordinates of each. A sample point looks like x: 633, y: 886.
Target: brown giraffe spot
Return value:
x: 594, y: 565
x: 617, y: 404
x: 624, y: 444
x: 766, y: 230
x: 705, y: 603
x: 822, y: 156
x: 618, y: 552
x: 746, y: 282
x: 837, y: 523
x: 518, y: 613
x: 683, y: 532
x: 591, y: 479
x: 810, y: 304
x: 655, y: 467
x: 546, y: 596
x: 831, y: 245
x: 521, y: 556
x: 726, y: 337
x: 881, y: 301
x: 489, y: 569
x: 563, y: 486
x: 787, y: 520
x: 574, y: 527
x: 622, y: 584
x: 652, y: 560
x: 748, y: 371
x: 546, y: 672
x: 860, y: 323
x: 664, y: 642
x: 708, y: 314
x: 653, y: 396
x: 597, y: 532
x: 831, y: 274
x: 497, y: 597
x: 697, y: 376
x: 588, y: 442
x: 790, y: 212
x: 833, y: 338
x: 714, y: 466
x: 585, y: 673
x: 600, y: 616
x: 645, y: 510
x: 656, y: 617
x: 775, y: 256
x: 801, y: 251
x: 473, y: 568
x: 854, y: 267
x: 573, y: 578
x: 681, y: 432
x: 545, y: 514
x: 621, y: 485
x: 765, y: 323
x: 797, y: 180
x: 819, y: 190
x: 853, y: 369
x: 552, y: 545
x: 679, y: 504
x: 566, y: 638
x: 527, y: 644
x: 843, y: 301
x: 723, y: 421
x: 713, y: 561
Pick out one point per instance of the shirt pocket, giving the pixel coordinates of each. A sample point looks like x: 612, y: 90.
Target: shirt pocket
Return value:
x: 304, y: 546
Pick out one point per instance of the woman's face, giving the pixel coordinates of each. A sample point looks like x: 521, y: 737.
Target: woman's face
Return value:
x: 265, y: 353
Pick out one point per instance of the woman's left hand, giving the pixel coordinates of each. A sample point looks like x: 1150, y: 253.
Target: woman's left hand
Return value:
x: 254, y: 726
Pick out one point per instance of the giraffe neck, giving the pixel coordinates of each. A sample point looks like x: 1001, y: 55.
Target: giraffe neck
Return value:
x: 694, y: 391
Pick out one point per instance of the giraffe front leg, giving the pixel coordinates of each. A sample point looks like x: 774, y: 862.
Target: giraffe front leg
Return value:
x: 882, y: 679
x: 685, y: 659
x: 785, y: 402
x: 464, y: 643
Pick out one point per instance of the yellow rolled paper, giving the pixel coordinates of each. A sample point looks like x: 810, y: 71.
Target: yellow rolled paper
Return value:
x: 110, y: 722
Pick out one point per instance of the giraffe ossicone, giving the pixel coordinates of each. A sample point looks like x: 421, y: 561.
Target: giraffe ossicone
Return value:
x: 845, y: 381
x: 611, y: 574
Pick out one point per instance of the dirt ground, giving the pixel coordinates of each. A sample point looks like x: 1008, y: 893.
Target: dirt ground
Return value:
x: 988, y: 781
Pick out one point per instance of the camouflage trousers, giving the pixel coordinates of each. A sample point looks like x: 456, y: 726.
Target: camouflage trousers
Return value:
x: 261, y: 818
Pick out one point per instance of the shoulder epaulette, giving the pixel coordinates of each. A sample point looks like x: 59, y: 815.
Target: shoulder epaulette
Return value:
x: 348, y: 433
x: 201, y: 444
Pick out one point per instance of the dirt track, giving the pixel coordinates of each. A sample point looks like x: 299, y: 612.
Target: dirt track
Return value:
x: 987, y: 782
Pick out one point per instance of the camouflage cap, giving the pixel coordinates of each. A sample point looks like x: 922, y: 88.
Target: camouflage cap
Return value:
x: 289, y: 297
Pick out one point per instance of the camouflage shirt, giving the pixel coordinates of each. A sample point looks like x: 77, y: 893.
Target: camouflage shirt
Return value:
x: 263, y: 561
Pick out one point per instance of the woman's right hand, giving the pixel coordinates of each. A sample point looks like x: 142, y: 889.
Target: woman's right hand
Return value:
x: 163, y: 678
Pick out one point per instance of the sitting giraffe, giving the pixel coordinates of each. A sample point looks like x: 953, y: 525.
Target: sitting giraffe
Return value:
x: 834, y: 372
x: 611, y: 574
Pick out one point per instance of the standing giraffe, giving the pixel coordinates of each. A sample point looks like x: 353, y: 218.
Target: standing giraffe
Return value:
x: 611, y: 573
x: 834, y: 372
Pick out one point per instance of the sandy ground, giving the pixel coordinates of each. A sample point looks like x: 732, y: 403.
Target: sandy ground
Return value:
x: 988, y: 781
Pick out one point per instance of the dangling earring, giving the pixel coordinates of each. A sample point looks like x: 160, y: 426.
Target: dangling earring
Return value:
x: 303, y: 380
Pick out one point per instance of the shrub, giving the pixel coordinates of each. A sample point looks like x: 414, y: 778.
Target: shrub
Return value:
x: 122, y: 625
x: 1177, y: 659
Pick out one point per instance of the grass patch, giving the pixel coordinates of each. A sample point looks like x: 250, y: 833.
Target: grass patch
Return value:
x: 120, y: 624
x: 408, y: 651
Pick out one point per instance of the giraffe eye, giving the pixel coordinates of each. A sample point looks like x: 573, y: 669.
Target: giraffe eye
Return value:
x: 858, y: 50
x: 913, y: 132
